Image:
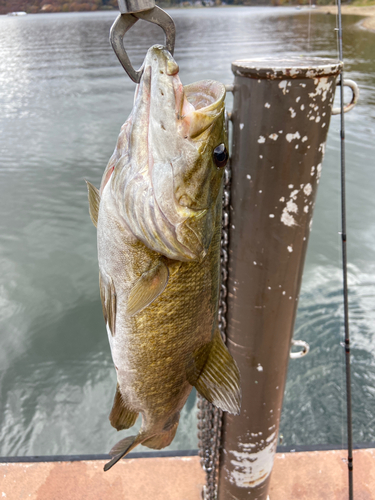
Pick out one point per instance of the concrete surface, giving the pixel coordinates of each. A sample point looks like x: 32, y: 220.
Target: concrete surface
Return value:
x: 304, y: 476
x: 318, y: 475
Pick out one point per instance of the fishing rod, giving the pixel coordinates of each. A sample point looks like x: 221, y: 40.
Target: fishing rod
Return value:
x: 344, y: 266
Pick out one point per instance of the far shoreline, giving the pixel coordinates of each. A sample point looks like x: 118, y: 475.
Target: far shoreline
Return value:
x: 368, y: 12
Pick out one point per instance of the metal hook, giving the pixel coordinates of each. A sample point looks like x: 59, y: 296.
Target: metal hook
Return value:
x: 131, y: 11
x: 355, y: 94
x: 305, y: 349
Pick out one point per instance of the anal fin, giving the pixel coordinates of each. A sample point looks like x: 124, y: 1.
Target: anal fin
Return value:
x: 121, y: 417
x: 219, y: 379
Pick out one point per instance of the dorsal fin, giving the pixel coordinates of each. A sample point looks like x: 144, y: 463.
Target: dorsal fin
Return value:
x: 94, y: 202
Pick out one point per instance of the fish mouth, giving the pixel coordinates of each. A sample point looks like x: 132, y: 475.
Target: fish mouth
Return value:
x: 184, y: 111
x: 203, y: 104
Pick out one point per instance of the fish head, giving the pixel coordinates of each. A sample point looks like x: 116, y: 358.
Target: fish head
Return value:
x: 198, y: 172
x: 176, y: 154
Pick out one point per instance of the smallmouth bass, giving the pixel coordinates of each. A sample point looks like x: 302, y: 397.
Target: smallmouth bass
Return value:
x: 158, y: 217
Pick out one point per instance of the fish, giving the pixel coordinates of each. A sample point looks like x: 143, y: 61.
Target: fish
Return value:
x: 158, y: 215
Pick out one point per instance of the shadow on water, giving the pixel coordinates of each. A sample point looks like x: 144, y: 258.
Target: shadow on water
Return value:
x: 60, y: 390
x: 58, y: 377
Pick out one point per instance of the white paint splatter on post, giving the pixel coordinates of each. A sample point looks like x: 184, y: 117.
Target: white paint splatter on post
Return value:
x: 290, y: 137
x: 292, y: 207
x: 252, y: 469
x: 307, y: 189
x: 287, y: 218
x: 322, y: 88
x: 282, y: 86
x: 318, y: 171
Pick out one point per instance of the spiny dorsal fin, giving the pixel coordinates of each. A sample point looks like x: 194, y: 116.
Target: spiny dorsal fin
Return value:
x: 108, y: 297
x: 94, y: 202
x: 149, y: 286
x: 219, y: 380
x: 121, y: 417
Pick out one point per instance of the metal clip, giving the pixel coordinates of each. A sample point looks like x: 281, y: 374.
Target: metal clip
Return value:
x: 355, y: 94
x: 305, y: 349
x: 131, y: 11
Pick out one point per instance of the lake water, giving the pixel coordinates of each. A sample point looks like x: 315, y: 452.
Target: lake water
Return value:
x: 63, y: 98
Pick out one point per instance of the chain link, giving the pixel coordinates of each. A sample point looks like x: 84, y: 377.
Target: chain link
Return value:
x: 210, y: 417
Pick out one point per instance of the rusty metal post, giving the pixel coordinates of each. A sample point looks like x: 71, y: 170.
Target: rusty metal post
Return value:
x: 281, y: 114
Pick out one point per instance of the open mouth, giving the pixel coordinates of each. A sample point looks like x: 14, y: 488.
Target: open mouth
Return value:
x: 199, y: 104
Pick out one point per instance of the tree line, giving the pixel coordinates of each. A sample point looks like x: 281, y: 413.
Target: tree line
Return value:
x: 45, y: 6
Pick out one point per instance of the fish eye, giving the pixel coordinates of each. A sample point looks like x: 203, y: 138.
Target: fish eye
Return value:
x: 220, y: 155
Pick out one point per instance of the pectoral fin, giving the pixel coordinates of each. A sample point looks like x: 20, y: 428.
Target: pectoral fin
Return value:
x: 108, y: 296
x: 121, y: 417
x: 219, y: 379
x: 149, y: 286
x: 94, y: 202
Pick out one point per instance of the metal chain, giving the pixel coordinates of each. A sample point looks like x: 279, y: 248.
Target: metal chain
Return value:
x: 210, y: 417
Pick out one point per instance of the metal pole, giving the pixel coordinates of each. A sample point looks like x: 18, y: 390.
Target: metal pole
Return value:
x: 281, y: 115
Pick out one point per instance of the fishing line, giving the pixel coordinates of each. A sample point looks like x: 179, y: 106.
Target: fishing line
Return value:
x: 337, y: 29
x: 344, y: 265
x: 340, y: 342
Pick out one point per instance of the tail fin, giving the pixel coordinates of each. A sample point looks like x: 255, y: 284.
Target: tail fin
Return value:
x: 163, y: 439
x: 157, y: 441
x: 123, y: 447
